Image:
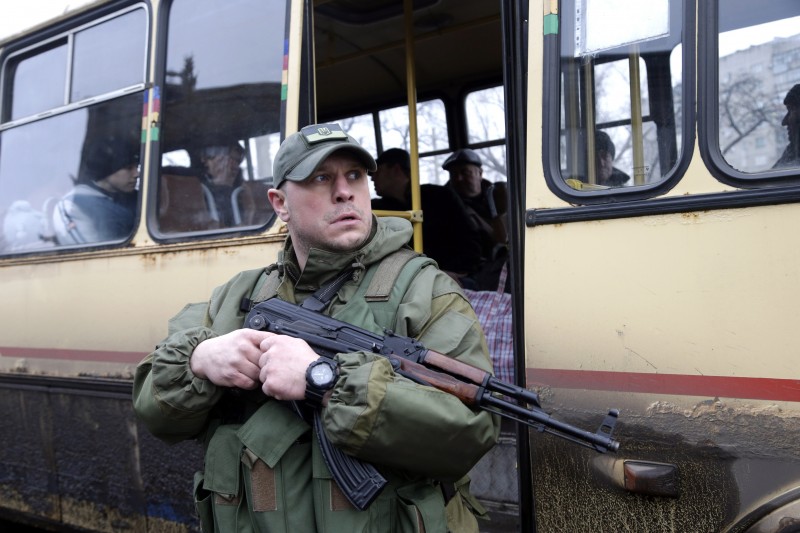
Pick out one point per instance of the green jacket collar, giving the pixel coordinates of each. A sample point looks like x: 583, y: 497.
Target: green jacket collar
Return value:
x: 389, y: 234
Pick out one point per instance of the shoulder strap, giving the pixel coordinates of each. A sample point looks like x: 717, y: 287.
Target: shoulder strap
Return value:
x: 267, y: 286
x: 269, y: 281
x: 323, y: 296
x: 384, y: 280
x: 380, y: 287
x: 393, y: 281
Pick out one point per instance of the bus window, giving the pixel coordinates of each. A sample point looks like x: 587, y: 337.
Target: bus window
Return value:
x: 36, y: 81
x: 102, y: 58
x: 84, y: 191
x: 362, y: 129
x: 618, y: 117
x: 485, y: 113
x: 758, y: 117
x: 213, y: 103
x: 108, y: 56
x: 431, y: 136
x: 432, y: 141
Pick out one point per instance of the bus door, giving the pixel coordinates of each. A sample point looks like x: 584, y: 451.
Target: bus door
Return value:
x: 661, y: 273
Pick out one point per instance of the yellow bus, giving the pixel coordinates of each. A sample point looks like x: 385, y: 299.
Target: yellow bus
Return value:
x: 650, y: 152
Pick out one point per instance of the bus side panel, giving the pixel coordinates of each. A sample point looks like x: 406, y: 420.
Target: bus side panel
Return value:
x: 103, y: 314
x: 74, y: 454
x: 686, y: 323
x: 71, y: 449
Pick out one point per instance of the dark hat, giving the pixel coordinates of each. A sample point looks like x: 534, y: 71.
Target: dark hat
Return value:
x: 793, y: 96
x: 465, y: 156
x: 395, y: 156
x: 603, y: 142
x: 104, y: 156
x: 302, y: 152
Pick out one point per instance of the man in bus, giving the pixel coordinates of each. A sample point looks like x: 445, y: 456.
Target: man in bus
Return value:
x: 485, y: 203
x: 791, y: 155
x: 456, y: 252
x: 102, y: 205
x: 221, y: 176
x: 605, y: 152
x: 231, y: 387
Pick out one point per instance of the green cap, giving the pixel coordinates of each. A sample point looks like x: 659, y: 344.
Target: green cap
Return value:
x: 302, y: 152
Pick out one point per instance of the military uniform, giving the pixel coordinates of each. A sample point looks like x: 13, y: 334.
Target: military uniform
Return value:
x: 263, y: 467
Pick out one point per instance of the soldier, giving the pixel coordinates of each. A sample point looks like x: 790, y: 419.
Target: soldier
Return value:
x: 210, y: 379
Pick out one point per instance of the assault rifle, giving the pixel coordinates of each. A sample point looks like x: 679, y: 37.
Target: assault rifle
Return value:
x: 361, y: 482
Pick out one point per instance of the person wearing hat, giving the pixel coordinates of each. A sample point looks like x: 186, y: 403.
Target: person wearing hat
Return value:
x: 605, y: 151
x: 791, y: 120
x: 230, y: 387
x: 102, y: 205
x: 485, y: 204
x: 221, y: 176
x: 455, y: 252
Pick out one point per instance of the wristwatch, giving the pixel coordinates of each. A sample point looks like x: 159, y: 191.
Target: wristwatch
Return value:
x: 321, y: 376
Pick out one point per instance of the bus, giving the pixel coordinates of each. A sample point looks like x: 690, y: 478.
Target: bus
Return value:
x: 650, y: 151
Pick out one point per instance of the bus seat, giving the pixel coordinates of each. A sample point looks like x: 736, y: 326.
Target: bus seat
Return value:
x: 185, y: 205
x: 251, y: 205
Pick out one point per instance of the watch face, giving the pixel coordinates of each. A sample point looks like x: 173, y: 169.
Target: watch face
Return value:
x: 321, y: 375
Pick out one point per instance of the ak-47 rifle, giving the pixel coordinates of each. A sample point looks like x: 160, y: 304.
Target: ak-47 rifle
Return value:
x: 361, y: 482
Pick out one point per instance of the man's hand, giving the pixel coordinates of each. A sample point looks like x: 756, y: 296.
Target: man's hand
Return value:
x: 230, y: 360
x: 283, y: 362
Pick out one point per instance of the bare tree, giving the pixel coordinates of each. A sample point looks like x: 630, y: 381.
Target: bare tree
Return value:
x: 743, y: 107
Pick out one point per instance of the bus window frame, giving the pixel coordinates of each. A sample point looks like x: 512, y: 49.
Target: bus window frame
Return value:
x: 66, y: 30
x: 708, y: 115
x: 156, y: 150
x: 551, y: 107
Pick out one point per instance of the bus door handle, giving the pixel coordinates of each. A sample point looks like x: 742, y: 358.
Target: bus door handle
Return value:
x: 649, y: 478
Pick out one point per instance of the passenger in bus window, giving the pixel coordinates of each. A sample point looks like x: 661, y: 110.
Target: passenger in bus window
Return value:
x: 605, y: 152
x: 232, y: 387
x: 456, y: 252
x: 791, y: 155
x: 486, y: 205
x: 102, y: 205
x: 222, y: 174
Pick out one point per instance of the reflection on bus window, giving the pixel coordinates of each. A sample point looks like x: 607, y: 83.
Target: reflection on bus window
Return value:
x: 109, y: 56
x: 70, y: 178
x: 97, y: 60
x: 84, y: 191
x: 223, y: 89
x: 759, y: 64
x: 620, y: 96
x: 38, y: 81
